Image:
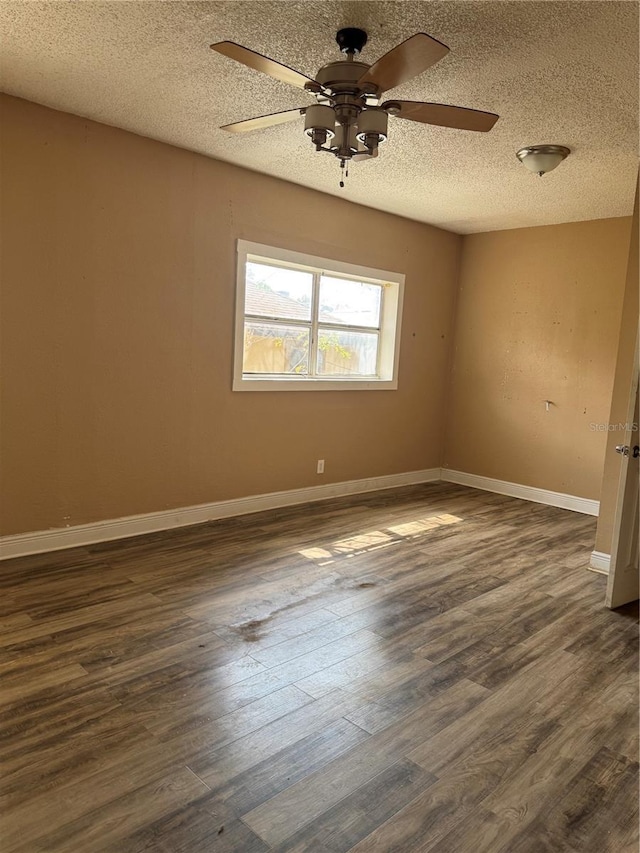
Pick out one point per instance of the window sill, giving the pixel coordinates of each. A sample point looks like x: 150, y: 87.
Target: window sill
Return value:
x: 316, y: 384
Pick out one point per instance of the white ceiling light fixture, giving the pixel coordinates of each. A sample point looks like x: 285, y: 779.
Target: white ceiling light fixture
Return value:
x: 348, y: 119
x: 542, y: 158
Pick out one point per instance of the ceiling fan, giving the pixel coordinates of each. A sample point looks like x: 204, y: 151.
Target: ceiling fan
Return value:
x: 348, y: 119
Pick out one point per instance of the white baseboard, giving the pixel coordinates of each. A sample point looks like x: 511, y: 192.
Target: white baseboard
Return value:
x: 600, y: 562
x: 41, y: 541
x: 527, y: 493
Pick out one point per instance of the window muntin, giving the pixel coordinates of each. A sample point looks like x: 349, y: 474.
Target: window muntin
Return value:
x: 307, y: 322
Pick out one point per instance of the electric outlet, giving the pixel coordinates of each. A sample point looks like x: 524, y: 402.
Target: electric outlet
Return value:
x: 320, y: 468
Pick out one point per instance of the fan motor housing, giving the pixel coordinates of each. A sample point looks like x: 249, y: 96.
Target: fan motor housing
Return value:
x: 339, y: 73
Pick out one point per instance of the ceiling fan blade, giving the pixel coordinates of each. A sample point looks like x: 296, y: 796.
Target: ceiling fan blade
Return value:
x: 262, y: 63
x: 442, y: 115
x: 405, y: 61
x: 365, y: 155
x: 260, y: 122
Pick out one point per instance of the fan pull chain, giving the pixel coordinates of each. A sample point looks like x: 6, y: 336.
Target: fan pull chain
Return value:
x: 345, y: 173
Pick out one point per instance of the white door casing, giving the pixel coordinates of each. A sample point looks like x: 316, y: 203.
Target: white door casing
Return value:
x: 623, y: 580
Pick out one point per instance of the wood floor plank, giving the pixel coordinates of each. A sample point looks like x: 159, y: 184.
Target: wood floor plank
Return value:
x: 27, y: 726
x: 48, y: 812
x: 18, y: 681
x: 480, y: 831
x: 78, y: 616
x: 462, y: 785
x: 292, y: 764
x: 167, y: 679
x: 458, y: 697
x: 546, y: 776
x: 107, y: 824
x: 218, y: 766
x: 500, y: 707
x: 71, y: 748
x: 308, y: 642
x: 271, y: 632
x: 235, y: 724
x: 14, y: 620
x: 597, y: 812
x: 340, y: 828
x: 366, y: 679
x: 283, y: 814
x: 425, y: 820
x: 192, y: 829
x: 354, y: 668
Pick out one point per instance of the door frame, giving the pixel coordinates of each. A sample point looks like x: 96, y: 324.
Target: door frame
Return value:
x: 622, y: 582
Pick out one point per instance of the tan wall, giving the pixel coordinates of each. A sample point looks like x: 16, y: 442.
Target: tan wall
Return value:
x: 118, y: 292
x: 537, y: 319
x: 621, y: 389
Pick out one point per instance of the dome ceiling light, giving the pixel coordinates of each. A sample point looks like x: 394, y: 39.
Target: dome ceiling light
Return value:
x: 542, y: 158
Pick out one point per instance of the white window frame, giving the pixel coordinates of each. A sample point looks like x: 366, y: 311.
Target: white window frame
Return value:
x: 389, y: 332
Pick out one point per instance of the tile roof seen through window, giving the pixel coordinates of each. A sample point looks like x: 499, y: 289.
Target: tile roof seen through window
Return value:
x: 267, y: 303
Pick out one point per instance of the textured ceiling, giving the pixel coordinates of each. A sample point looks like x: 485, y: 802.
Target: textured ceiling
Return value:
x: 559, y: 72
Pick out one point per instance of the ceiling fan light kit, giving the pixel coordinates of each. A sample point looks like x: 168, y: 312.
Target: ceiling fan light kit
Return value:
x: 348, y: 119
x: 319, y: 123
x: 542, y: 158
x: 372, y: 127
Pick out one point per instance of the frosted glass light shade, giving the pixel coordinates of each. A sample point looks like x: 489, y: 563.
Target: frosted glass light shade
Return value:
x: 372, y: 122
x: 319, y: 118
x: 542, y: 158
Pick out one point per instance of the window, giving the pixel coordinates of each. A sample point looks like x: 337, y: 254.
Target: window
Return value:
x: 306, y: 323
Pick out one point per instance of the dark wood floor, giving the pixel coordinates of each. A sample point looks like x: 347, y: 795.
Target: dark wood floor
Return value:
x: 425, y: 669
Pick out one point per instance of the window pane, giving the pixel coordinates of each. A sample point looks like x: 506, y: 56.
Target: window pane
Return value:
x: 274, y: 292
x: 347, y: 353
x: 353, y: 303
x: 275, y: 348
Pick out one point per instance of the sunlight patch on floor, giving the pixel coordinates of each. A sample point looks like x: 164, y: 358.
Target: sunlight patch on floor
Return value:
x: 364, y: 541
x: 315, y: 553
x: 375, y: 539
